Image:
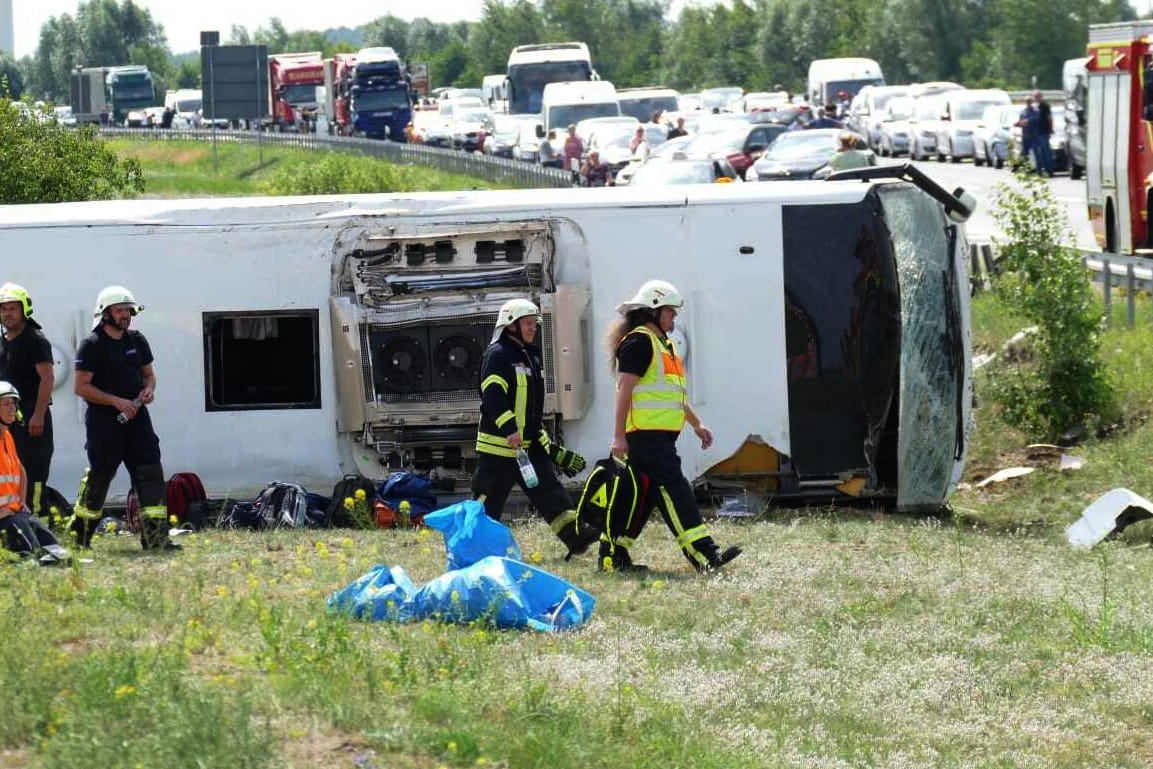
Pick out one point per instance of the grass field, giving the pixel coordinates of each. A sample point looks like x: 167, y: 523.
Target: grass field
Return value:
x: 842, y: 638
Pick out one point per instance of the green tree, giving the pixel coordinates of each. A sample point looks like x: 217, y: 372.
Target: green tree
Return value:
x: 48, y: 163
x: 11, y: 78
x: 501, y: 28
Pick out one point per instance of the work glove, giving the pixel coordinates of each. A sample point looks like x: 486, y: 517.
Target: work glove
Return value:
x: 568, y: 462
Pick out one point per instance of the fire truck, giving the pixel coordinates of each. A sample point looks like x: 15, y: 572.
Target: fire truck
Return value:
x: 292, y: 82
x: 339, y: 75
x: 1119, y: 158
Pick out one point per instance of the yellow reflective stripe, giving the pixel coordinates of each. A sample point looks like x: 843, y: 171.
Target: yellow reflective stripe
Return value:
x: 495, y: 379
x: 154, y: 511
x: 80, y: 511
x: 543, y: 440
x: 492, y: 440
x: 692, y: 535
x: 494, y: 444
x: 562, y: 520
x: 503, y: 418
x: 521, y: 405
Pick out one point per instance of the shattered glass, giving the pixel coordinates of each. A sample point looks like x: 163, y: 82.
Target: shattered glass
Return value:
x: 933, y: 349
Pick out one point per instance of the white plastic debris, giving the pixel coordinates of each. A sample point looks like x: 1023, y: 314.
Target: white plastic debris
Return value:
x: 1112, y: 511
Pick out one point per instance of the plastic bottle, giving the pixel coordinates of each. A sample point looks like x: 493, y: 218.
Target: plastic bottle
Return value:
x: 527, y: 471
x: 122, y: 417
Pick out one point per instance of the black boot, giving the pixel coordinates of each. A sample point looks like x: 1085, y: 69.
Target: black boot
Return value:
x: 719, y: 559
x: 83, y: 528
x: 615, y: 558
x: 578, y: 537
x: 154, y: 535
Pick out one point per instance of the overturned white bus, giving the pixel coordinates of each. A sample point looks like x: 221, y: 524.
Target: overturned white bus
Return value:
x: 302, y: 338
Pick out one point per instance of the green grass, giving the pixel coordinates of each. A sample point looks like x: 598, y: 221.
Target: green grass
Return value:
x: 175, y: 169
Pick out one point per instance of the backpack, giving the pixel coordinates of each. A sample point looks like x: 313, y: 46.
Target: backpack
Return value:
x: 335, y: 514
x: 416, y: 489
x: 614, y: 500
x: 55, y: 509
x: 283, y: 504
x: 181, y: 491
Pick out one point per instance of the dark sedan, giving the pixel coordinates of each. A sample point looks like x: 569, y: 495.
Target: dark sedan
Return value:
x: 800, y: 155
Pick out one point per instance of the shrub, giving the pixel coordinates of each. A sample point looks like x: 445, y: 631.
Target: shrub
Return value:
x: 1063, y: 383
x: 336, y: 173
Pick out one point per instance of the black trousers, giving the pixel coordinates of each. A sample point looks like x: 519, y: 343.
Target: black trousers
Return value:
x: 495, y: 476
x: 36, y: 454
x: 133, y: 444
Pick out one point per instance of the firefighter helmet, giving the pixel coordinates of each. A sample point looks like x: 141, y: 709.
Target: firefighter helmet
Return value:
x: 653, y: 295
x: 110, y: 296
x: 8, y: 390
x: 512, y: 311
x: 10, y: 292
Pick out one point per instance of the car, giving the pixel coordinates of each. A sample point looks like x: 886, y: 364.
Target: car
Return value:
x: 720, y: 99
x: 923, y: 126
x: 587, y: 127
x: 528, y: 142
x: 468, y: 128
x: 962, y: 112
x: 438, y: 133
x: 501, y: 133
x: 64, y: 116
x: 137, y: 118
x: 869, y: 109
x: 801, y: 155
x: 740, y: 145
x: 612, y: 143
x: 992, y: 138
x: 895, y: 134
x: 681, y: 168
x: 765, y: 101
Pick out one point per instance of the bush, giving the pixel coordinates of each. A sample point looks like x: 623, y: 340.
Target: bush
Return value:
x: 50, y: 163
x: 1063, y: 383
x: 341, y: 174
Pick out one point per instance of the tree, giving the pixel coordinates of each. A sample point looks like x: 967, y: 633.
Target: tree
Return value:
x: 49, y: 163
x: 11, y: 79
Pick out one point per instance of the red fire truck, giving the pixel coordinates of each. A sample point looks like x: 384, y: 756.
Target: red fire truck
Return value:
x: 339, y: 77
x: 1119, y: 157
x: 292, y: 82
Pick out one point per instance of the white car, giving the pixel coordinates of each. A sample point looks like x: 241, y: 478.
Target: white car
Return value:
x: 894, y: 135
x: 468, y: 128
x: 962, y: 113
x: 923, y: 126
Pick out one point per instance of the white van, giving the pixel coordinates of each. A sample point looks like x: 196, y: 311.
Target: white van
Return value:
x: 642, y: 103
x: 832, y: 81
x: 186, y: 105
x: 568, y: 103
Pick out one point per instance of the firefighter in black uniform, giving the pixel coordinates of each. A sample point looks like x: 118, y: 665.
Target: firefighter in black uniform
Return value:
x: 114, y: 375
x: 26, y: 362
x: 511, y: 408
x: 651, y: 409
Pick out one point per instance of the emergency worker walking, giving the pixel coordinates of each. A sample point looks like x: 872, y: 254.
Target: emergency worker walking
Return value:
x: 511, y: 420
x: 651, y: 409
x: 26, y: 362
x: 114, y: 374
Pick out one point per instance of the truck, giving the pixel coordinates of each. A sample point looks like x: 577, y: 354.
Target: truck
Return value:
x: 531, y: 67
x: 108, y: 94
x: 370, y: 94
x: 825, y: 334
x: 837, y: 81
x: 292, y: 82
x: 1119, y: 158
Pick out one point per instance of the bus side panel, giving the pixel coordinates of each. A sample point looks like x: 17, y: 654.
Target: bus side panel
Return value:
x: 1108, y: 160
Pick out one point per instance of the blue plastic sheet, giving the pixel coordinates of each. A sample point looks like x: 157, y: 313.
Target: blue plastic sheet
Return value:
x: 496, y: 591
x: 470, y: 535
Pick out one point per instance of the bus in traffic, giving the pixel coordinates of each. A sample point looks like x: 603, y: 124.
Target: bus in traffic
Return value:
x: 532, y: 67
x: 1119, y: 155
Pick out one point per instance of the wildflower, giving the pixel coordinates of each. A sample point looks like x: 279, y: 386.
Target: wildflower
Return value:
x: 173, y: 520
x: 536, y: 557
x: 348, y: 503
x: 360, y: 495
x: 221, y: 591
x: 124, y: 691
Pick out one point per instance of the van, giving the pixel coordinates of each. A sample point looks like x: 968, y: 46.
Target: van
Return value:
x: 186, y: 105
x: 568, y: 103
x: 832, y: 81
x: 961, y: 113
x: 643, y: 103
x: 492, y: 89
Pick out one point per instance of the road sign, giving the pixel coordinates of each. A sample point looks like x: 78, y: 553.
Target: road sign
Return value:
x: 235, y: 81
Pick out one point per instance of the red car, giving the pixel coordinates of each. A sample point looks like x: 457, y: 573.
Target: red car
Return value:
x: 741, y: 146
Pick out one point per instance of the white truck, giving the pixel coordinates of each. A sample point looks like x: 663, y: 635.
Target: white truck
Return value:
x: 837, y: 81
x: 825, y: 335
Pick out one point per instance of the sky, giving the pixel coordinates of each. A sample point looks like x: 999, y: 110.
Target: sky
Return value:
x: 184, y: 19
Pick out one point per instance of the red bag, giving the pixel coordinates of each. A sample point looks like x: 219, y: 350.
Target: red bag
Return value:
x: 180, y: 491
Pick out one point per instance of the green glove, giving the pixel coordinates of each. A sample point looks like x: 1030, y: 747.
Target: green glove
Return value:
x: 568, y: 462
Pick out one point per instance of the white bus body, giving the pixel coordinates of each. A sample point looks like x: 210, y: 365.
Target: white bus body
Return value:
x: 531, y: 67
x: 298, y: 339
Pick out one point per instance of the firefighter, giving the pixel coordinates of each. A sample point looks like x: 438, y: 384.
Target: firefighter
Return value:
x: 26, y: 362
x: 651, y: 409
x: 511, y: 409
x: 23, y: 532
x: 114, y: 375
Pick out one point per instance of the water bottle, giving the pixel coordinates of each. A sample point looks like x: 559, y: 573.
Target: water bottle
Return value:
x: 122, y: 417
x: 527, y: 471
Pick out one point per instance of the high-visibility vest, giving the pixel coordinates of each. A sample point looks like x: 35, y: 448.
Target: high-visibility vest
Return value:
x: 9, y: 475
x: 659, y: 396
x: 492, y: 443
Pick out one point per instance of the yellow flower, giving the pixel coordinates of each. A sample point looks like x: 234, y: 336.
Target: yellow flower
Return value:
x: 124, y: 691
x: 348, y: 503
x: 360, y: 495
x: 535, y: 556
x: 173, y: 520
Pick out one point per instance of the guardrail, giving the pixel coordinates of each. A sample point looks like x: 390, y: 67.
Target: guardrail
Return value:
x: 492, y: 169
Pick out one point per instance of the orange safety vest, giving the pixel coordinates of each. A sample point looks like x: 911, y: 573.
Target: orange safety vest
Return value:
x: 10, y: 474
x: 660, y: 395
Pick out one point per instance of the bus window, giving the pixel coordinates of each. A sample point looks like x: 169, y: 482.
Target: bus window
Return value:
x: 1147, y: 90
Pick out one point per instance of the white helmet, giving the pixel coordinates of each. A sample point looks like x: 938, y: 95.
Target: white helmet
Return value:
x: 512, y: 311
x: 8, y: 390
x: 654, y: 294
x: 110, y: 296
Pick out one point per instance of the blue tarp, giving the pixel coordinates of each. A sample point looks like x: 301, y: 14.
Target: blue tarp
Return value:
x: 485, y: 582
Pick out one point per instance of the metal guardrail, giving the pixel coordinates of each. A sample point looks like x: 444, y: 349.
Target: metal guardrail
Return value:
x: 492, y: 169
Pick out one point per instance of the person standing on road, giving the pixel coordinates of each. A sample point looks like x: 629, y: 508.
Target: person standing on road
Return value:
x: 512, y: 420
x: 1042, y: 148
x: 650, y: 411
x: 26, y: 362
x: 595, y: 172
x: 547, y: 152
x: 115, y: 376
x: 573, y: 153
